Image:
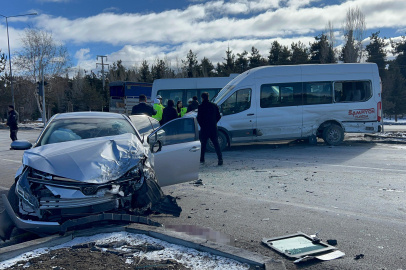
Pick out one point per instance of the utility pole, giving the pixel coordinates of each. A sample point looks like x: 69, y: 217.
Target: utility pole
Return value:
x: 102, y: 64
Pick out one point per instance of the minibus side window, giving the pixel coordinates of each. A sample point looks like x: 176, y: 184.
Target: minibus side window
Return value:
x: 317, y: 93
x: 352, y: 91
x: 282, y: 94
x: 237, y: 102
x: 175, y: 95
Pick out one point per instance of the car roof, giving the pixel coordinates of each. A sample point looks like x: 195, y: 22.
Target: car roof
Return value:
x: 89, y: 115
x: 143, y: 116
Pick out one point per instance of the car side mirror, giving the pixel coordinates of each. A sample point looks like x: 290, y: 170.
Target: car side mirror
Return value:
x: 21, y: 145
x: 156, y: 147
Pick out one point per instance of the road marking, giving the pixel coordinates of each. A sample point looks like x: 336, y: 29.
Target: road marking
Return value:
x: 16, y: 161
x: 4, y: 188
x: 334, y: 165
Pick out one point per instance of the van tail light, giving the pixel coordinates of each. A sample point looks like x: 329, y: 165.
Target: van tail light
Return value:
x: 379, y: 111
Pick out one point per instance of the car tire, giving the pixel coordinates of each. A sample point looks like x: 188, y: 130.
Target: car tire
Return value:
x: 333, y: 135
x: 222, y: 142
x: 13, y: 198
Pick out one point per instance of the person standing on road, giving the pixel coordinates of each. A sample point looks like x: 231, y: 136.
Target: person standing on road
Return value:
x: 12, y: 122
x: 158, y: 108
x: 143, y: 107
x: 194, y: 105
x: 169, y: 113
x: 208, y: 115
x: 160, y: 101
x: 179, y: 108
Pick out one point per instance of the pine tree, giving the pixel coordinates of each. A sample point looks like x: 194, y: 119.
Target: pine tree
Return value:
x: 284, y: 56
x: 3, y: 60
x: 274, y: 53
x: 376, y: 52
x: 399, y: 49
x: 226, y: 68
x: 145, y: 73
x: 321, y: 51
x: 299, y: 54
x: 241, y: 64
x: 159, y: 69
x: 206, y: 67
x: 394, y: 92
x: 254, y: 58
x: 191, y: 65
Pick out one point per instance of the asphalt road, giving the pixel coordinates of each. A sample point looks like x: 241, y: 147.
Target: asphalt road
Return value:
x: 354, y: 193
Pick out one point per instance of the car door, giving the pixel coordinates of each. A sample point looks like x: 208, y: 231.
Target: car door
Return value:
x: 178, y: 159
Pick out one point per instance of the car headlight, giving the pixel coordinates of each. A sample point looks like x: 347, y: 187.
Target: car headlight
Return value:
x: 22, y: 190
x: 134, y: 173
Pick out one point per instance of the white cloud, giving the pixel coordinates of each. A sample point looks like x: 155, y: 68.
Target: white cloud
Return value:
x: 82, y: 54
x: 111, y: 9
x: 208, y: 22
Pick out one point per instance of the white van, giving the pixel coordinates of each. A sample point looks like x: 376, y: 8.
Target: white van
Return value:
x: 300, y: 102
x: 185, y: 88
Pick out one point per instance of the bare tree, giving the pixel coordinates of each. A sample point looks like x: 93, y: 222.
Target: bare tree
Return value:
x: 40, y: 49
x: 354, y: 30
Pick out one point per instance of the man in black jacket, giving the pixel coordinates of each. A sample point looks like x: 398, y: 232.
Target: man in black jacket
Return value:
x: 143, y: 107
x: 208, y: 115
x: 12, y: 122
x: 169, y: 113
x: 193, y: 106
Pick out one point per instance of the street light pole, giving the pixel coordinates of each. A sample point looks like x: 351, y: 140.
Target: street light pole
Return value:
x: 9, y: 55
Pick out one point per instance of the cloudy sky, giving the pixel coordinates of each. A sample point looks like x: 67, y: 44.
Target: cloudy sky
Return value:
x: 135, y: 30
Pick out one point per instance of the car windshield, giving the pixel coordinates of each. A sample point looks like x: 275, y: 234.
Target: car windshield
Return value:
x: 64, y: 130
x: 142, y: 123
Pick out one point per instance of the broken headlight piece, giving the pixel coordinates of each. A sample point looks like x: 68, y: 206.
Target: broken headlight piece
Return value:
x: 23, y: 192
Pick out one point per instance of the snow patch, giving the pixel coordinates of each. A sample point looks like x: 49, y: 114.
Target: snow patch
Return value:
x: 187, y: 256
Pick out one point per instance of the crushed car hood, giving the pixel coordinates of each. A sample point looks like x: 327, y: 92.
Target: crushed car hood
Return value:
x: 97, y: 160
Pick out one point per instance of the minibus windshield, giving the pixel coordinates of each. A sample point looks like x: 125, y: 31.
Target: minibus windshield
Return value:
x: 227, y: 89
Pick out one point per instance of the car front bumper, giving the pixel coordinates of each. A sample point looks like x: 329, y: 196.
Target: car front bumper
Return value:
x: 40, y: 227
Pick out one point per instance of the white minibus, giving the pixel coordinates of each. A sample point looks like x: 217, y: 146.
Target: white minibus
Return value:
x: 300, y: 102
x: 185, y: 88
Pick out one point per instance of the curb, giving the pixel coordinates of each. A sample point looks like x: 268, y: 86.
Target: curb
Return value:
x: 178, y: 238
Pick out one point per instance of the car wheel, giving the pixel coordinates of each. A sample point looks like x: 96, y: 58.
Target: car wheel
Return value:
x: 333, y: 135
x: 222, y: 142
x: 13, y: 199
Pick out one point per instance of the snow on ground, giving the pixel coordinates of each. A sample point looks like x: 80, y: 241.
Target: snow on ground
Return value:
x: 392, y: 121
x: 187, y: 256
x: 399, y: 135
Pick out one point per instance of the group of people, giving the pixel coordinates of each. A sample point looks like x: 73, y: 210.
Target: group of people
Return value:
x: 161, y: 113
x: 208, y: 115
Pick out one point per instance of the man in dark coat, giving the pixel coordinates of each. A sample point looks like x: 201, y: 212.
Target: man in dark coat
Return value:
x: 169, y: 113
x: 143, y: 107
x: 193, y: 106
x: 208, y: 115
x: 12, y: 122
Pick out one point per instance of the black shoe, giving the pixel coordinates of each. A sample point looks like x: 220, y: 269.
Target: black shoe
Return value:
x: 202, y: 161
x: 220, y: 162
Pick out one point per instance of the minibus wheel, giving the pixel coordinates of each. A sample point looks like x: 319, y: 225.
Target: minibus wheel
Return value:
x: 222, y: 142
x: 333, y: 135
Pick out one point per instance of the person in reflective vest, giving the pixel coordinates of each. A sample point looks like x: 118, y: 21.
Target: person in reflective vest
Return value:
x: 158, y: 108
x: 160, y: 99
x: 180, y: 109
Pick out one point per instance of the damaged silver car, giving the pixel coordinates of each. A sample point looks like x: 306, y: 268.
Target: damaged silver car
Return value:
x: 86, y: 164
